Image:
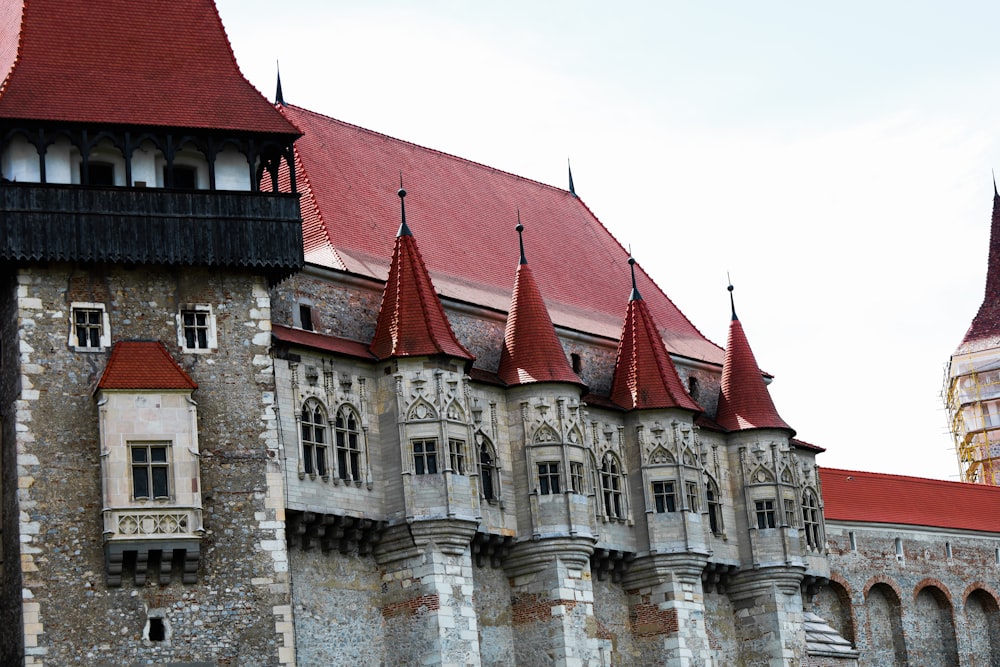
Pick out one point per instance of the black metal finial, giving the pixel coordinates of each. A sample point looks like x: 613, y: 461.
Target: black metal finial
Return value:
x: 995, y: 193
x: 572, y: 190
x: 404, y: 230
x: 520, y: 236
x: 635, y: 296
x: 279, y: 97
x: 732, y: 302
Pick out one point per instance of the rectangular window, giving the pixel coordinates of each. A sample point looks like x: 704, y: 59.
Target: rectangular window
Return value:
x: 765, y: 514
x: 576, y: 477
x: 548, y: 478
x: 195, y: 329
x: 150, y: 471
x: 691, y: 489
x: 305, y: 317
x: 664, y: 497
x: 789, y: 512
x: 425, y: 457
x: 89, y: 327
x: 456, y: 455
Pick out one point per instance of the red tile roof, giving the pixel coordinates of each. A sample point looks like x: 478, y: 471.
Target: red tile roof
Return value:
x: 318, y: 341
x: 744, y: 401
x: 645, y: 377
x: 127, y: 62
x: 531, y: 349
x: 872, y: 497
x: 411, y: 321
x: 143, y: 365
x: 462, y: 211
x: 986, y: 323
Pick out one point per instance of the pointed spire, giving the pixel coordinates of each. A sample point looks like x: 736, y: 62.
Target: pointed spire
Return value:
x: 572, y: 190
x: 645, y: 377
x: 412, y: 321
x: 531, y: 349
x: 404, y: 230
x: 279, y: 97
x: 986, y: 323
x: 520, y: 238
x: 744, y: 401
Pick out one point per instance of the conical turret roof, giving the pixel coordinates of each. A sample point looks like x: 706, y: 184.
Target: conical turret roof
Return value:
x: 986, y: 324
x: 129, y: 63
x: 744, y: 401
x: 645, y: 377
x: 531, y: 349
x: 412, y: 321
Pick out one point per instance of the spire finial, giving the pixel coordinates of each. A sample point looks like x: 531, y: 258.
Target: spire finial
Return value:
x: 995, y: 193
x: 732, y: 303
x: 635, y: 296
x: 520, y: 236
x: 569, y: 167
x: 404, y: 230
x: 279, y: 97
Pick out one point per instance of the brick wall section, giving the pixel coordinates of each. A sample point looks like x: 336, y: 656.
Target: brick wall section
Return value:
x: 532, y: 608
x: 649, y: 620
x: 418, y: 605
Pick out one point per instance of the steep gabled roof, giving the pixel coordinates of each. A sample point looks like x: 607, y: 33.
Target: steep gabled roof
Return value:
x: 464, y: 213
x: 531, y: 349
x: 126, y: 62
x: 143, y: 365
x: 645, y: 377
x: 986, y: 323
x: 318, y: 341
x: 744, y: 402
x: 872, y: 497
x: 412, y: 322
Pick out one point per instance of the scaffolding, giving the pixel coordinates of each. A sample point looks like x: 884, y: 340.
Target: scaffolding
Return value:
x: 972, y: 398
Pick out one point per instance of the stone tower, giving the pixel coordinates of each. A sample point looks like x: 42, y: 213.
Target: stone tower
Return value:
x: 142, y: 511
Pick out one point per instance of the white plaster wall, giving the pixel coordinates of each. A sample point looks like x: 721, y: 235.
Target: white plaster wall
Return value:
x: 59, y: 162
x: 232, y: 171
x: 144, y: 167
x: 20, y: 161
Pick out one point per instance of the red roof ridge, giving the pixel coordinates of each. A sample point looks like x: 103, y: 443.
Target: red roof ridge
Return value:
x: 873, y: 473
x: 744, y: 401
x: 411, y: 321
x: 144, y: 365
x: 10, y: 48
x: 313, y: 224
x: 645, y: 377
x: 531, y: 349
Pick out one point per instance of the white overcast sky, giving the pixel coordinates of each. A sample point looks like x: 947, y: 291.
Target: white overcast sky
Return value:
x: 835, y: 160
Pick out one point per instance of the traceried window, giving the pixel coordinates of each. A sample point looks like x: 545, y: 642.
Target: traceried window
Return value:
x: 150, y: 470
x: 611, y: 487
x: 196, y: 328
x: 488, y: 471
x: 89, y: 327
x: 348, y: 444
x: 548, y: 478
x: 714, y: 506
x: 577, y: 477
x: 664, y: 497
x: 811, y: 520
x: 314, y: 438
x: 789, y: 512
x: 456, y: 456
x: 425, y: 456
x: 765, y: 513
x: 691, y: 490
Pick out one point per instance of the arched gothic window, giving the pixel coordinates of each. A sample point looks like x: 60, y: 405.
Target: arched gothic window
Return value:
x: 714, y: 504
x: 811, y: 521
x: 489, y: 484
x: 348, y: 434
x: 314, y: 438
x: 611, y: 486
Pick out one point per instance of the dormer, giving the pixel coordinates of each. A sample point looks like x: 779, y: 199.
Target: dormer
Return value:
x: 150, y: 472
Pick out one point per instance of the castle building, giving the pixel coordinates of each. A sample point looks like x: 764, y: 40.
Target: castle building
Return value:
x: 279, y: 390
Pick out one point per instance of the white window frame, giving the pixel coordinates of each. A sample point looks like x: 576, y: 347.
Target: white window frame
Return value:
x: 210, y: 331
x: 149, y: 465
x: 105, y: 335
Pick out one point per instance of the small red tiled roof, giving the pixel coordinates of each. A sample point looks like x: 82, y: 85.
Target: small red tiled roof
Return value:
x: 411, y: 321
x: 986, y: 323
x: 143, y: 365
x: 744, y: 401
x: 873, y: 497
x: 126, y: 62
x: 531, y: 349
x: 645, y: 377
x: 318, y: 341
x: 461, y: 211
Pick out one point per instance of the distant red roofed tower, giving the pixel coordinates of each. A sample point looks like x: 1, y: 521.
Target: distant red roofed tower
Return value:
x: 645, y: 377
x: 412, y: 321
x: 531, y: 349
x: 744, y: 402
x: 972, y: 381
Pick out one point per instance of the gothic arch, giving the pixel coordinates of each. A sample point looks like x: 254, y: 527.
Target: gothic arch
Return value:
x: 883, y: 607
x: 932, y: 637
